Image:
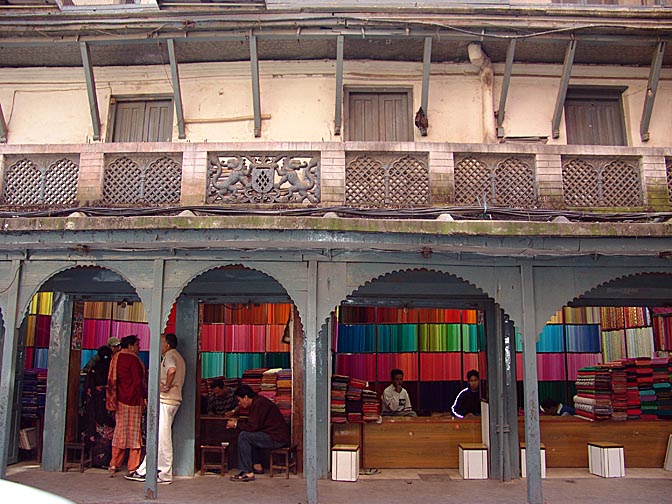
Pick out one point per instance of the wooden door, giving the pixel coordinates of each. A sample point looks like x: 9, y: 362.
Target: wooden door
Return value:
x: 594, y: 118
x: 142, y: 121
x: 378, y: 117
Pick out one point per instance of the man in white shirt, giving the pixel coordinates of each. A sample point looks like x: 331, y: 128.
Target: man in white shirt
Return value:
x: 172, y: 379
x: 395, y: 398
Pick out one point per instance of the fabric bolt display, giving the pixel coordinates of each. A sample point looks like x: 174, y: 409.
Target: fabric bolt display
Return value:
x: 581, y: 315
x: 612, y: 317
x: 583, y: 338
x: 212, y: 337
x: 551, y: 339
x: 551, y: 367
x: 662, y: 330
x: 613, y: 345
x: 361, y: 366
x: 639, y: 342
x: 274, y: 343
x: 406, y: 361
x: 370, y: 406
x: 440, y: 366
x: 576, y: 361
x: 95, y: 333
x: 283, y: 396
x: 439, y: 337
x: 212, y: 364
x: 471, y: 361
x: 252, y: 378
x: 339, y: 387
x: 397, y: 338
x: 470, y: 336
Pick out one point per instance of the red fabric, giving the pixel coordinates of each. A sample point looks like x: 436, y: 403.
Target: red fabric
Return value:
x: 131, y: 384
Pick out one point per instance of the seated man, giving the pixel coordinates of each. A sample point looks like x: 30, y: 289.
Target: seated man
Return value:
x: 221, y: 400
x: 552, y: 407
x: 395, y: 398
x: 265, y: 428
x: 468, y: 402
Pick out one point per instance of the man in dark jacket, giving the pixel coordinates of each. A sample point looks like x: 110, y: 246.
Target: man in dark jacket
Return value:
x: 468, y: 401
x: 265, y: 428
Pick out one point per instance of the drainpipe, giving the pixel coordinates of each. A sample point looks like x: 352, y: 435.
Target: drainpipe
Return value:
x: 486, y: 74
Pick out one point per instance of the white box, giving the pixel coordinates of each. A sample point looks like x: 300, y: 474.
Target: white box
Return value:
x: 668, y: 455
x: 606, y: 459
x: 523, y: 462
x: 473, y: 461
x: 345, y: 462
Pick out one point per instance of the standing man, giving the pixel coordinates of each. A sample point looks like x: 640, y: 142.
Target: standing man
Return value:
x: 265, y: 428
x: 396, y: 401
x: 468, y: 402
x: 172, y: 379
x: 127, y: 396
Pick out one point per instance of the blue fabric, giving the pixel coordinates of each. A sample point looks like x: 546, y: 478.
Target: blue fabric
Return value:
x: 250, y: 446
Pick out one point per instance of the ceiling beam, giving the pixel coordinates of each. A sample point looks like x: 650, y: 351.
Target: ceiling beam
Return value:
x: 510, y: 52
x: 339, y: 85
x: 426, y: 64
x: 177, y: 94
x: 91, y: 89
x: 564, y: 84
x: 256, y: 99
x: 3, y: 127
x: 651, y: 88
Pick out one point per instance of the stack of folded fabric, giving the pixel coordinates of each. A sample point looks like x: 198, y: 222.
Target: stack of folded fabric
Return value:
x: 603, y: 406
x: 252, y: 377
x: 647, y: 395
x: 619, y: 401
x: 634, y: 408
x: 661, y: 386
x: 283, y: 395
x: 353, y: 398
x: 370, y: 406
x: 269, y: 384
x: 593, y: 393
x: 339, y: 388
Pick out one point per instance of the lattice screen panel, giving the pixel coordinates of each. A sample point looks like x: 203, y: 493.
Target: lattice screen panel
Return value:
x: 40, y: 180
x: 597, y: 182
x: 142, y: 179
x: 514, y: 184
x: 621, y: 186
x: 383, y: 179
x: 579, y: 181
x: 365, y: 182
x: 408, y: 183
x: 473, y: 184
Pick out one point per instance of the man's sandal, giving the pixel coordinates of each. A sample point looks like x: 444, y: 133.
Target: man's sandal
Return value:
x: 242, y: 476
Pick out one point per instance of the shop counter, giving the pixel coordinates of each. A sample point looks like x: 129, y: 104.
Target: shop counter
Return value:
x: 566, y: 440
x: 410, y: 442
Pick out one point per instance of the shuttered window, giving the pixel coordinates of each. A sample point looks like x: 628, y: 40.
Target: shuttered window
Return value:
x: 595, y: 117
x: 141, y: 120
x: 378, y: 116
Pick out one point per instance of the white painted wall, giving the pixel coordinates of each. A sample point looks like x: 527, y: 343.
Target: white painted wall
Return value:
x: 51, y: 106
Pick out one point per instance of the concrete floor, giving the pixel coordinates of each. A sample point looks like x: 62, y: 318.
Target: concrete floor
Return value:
x: 426, y: 486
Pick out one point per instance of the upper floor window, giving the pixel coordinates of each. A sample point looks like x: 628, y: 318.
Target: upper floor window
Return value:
x: 378, y: 115
x: 141, y: 119
x: 594, y: 116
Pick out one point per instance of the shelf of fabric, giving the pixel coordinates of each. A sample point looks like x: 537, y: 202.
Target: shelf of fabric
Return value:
x: 274, y: 335
x: 639, y: 342
x: 244, y: 338
x: 471, y: 335
x: 551, y: 367
x: 212, y: 364
x: 41, y: 358
x: 144, y: 357
x: 129, y: 312
x: 397, y: 337
x: 98, y: 310
x: 576, y: 361
x: 662, y: 331
x: 551, y: 339
x: 86, y: 356
x: 356, y: 338
x: 613, y: 345
x: 407, y: 362
x: 95, y: 333
x: 361, y: 366
x: 141, y: 330
x: 581, y: 315
x: 472, y: 361
x: 235, y: 364
x: 212, y: 337
x: 439, y: 337
x: 348, y: 314
x: 583, y: 338
x: 42, y: 330
x: 41, y: 303
x: 440, y: 366
x: 278, y: 360
x: 398, y: 316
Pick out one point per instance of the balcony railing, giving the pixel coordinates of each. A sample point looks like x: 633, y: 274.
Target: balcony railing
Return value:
x: 356, y: 174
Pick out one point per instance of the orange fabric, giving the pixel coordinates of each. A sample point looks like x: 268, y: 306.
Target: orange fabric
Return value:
x: 133, y: 458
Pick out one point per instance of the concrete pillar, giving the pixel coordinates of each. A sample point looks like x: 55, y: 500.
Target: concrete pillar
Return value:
x: 57, y: 382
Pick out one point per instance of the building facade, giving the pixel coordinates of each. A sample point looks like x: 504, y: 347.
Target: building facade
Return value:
x: 512, y: 156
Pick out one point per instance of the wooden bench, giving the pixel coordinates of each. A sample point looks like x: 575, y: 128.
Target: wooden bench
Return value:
x: 218, y: 450
x: 287, y: 455
x: 82, y: 456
